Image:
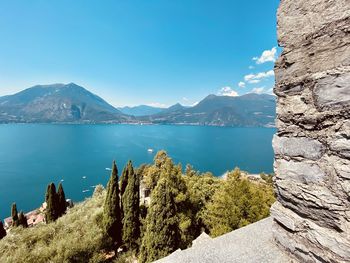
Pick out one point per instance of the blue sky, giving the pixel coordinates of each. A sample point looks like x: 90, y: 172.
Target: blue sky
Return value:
x: 155, y: 52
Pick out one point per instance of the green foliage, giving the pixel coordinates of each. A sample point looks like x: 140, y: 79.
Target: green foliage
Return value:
x: 236, y: 203
x: 131, y: 206
x: 189, y: 172
x: 183, y: 221
x: 22, y: 220
x: 14, y: 215
x: 61, y: 198
x: 111, y: 211
x: 201, y: 188
x: 162, y: 235
x: 124, y: 179
x: 75, y: 237
x: 52, y: 205
x: 2, y: 231
x: 152, y: 173
x: 268, y: 178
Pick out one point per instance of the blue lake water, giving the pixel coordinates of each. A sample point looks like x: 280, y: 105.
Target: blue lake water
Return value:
x: 33, y: 155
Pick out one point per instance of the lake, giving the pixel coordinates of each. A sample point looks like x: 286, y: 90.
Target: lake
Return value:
x: 33, y: 155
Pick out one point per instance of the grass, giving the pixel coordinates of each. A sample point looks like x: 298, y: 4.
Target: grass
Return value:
x: 75, y: 237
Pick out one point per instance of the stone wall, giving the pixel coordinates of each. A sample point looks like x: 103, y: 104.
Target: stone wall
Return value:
x: 312, y: 145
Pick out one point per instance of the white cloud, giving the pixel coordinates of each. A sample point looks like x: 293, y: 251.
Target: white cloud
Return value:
x: 267, y: 56
x: 157, y: 105
x: 185, y: 99
x: 241, y: 84
x: 251, y: 67
x: 227, y: 91
x: 258, y: 90
x: 255, y: 78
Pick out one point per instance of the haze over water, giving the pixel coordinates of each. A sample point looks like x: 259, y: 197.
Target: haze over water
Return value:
x: 33, y: 155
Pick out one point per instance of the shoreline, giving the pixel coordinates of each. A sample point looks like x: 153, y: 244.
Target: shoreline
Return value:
x: 135, y: 124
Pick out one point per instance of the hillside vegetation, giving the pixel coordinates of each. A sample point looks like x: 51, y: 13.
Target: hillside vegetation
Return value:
x: 112, y: 226
x: 75, y: 237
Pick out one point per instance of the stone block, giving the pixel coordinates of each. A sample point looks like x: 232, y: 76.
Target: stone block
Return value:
x: 333, y: 92
x: 299, y: 18
x: 298, y: 147
x: 299, y: 172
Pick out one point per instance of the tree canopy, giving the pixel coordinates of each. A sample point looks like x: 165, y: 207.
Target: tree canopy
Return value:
x: 131, y: 208
x: 61, y: 198
x: 111, y: 210
x: 2, y: 230
x: 14, y: 215
x: 52, y: 206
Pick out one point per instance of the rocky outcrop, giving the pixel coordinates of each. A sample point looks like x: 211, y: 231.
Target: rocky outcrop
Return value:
x: 312, y: 145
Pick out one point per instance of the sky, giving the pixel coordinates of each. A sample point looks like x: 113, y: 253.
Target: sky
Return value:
x: 131, y: 52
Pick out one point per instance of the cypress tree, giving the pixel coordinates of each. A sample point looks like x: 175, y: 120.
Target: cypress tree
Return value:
x: 162, y: 235
x: 14, y: 214
x: 123, y: 183
x: 111, y: 209
x: 22, y: 220
x: 131, y: 209
x: 124, y: 179
x: 51, y: 204
x: 61, y: 197
x: 2, y: 231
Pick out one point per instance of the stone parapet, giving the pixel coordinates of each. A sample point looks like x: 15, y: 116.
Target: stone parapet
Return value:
x: 312, y: 144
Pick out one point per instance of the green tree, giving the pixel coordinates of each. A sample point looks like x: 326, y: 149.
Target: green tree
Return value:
x: 236, y: 203
x: 61, y: 198
x: 14, y: 215
x: 2, y: 231
x: 22, y: 220
x: 201, y: 189
x: 124, y: 179
x: 151, y: 174
x: 123, y: 182
x: 162, y: 235
x: 111, y: 209
x: 52, y: 206
x: 268, y: 178
x: 189, y: 171
x: 131, y: 209
x: 164, y: 167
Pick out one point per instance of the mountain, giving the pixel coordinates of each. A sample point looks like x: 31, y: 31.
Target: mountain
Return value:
x: 250, y: 110
x: 58, y: 103
x: 173, y: 108
x: 71, y: 103
x: 142, y: 110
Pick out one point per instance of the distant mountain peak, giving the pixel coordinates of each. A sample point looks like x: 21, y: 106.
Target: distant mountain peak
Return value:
x: 73, y: 85
x: 57, y: 103
x: 174, y: 107
x: 211, y: 96
x: 177, y: 105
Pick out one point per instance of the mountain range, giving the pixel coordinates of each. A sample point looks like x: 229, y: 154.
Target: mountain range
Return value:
x: 141, y: 110
x: 70, y: 103
x: 249, y: 110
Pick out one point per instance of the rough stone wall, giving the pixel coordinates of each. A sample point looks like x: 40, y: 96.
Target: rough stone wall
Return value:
x: 312, y: 145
